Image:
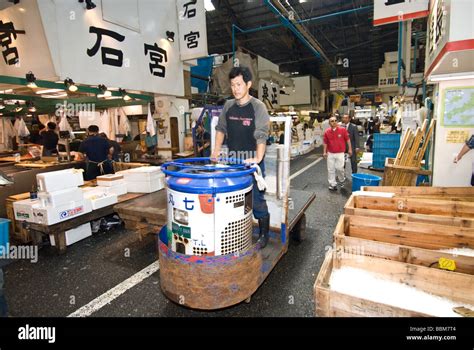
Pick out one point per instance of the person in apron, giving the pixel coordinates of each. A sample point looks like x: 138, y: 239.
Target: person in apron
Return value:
x: 49, y: 139
x: 95, y: 150
x: 245, y: 122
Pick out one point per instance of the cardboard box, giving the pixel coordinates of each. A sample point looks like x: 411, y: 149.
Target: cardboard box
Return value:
x: 49, y: 215
x: 75, y: 235
x: 60, y: 197
x: 59, y: 180
x: 24, y: 209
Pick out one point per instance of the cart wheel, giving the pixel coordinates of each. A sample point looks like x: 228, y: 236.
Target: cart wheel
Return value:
x: 298, y: 232
x: 247, y: 301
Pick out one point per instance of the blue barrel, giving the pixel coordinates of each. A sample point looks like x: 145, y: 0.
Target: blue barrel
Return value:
x: 359, y: 180
x: 4, y: 235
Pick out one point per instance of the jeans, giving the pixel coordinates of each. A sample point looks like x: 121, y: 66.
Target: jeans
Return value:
x: 3, y: 301
x: 260, y: 208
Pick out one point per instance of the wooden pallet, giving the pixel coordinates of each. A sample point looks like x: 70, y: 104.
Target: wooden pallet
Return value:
x: 407, y: 164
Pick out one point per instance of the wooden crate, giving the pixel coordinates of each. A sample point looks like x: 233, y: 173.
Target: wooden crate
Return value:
x: 330, y: 303
x: 407, y: 204
x: 410, y: 242
x: 443, y: 193
x: 17, y: 231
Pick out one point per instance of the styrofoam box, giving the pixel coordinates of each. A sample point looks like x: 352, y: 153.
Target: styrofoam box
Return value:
x: 146, y: 173
x: 118, y: 190
x: 110, y: 180
x: 60, y: 180
x: 52, y: 215
x: 24, y: 209
x: 75, y: 235
x: 57, y: 198
x: 89, y: 192
x: 111, y: 183
x: 145, y: 186
x: 102, y: 200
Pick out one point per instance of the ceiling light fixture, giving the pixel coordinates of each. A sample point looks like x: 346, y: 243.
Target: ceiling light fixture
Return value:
x: 170, y: 36
x: 124, y: 94
x: 105, y: 92
x: 70, y: 85
x: 30, y: 79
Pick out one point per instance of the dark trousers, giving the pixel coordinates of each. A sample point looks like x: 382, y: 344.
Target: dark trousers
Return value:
x: 353, y: 160
x: 260, y: 208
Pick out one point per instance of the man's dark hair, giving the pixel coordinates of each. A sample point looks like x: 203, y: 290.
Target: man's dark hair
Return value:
x: 51, y: 126
x: 241, y: 70
x: 93, y: 128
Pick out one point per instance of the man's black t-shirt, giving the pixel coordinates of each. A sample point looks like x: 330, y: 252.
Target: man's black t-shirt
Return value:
x: 50, y: 139
x: 96, y: 148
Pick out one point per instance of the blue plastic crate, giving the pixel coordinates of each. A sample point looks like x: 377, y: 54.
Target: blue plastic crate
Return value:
x: 386, y: 141
x: 4, y: 234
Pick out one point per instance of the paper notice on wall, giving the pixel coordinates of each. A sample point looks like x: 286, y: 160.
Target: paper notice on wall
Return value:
x: 457, y: 136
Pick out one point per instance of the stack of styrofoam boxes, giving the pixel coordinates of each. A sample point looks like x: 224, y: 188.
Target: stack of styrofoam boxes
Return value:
x: 144, y: 179
x: 24, y: 209
x: 98, y: 197
x: 112, y: 183
x: 75, y: 235
x: 60, y: 199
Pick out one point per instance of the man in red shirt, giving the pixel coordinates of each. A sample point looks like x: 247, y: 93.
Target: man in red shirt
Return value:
x: 335, y: 140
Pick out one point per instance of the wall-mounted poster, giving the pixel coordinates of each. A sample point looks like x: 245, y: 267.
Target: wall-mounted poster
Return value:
x: 458, y: 107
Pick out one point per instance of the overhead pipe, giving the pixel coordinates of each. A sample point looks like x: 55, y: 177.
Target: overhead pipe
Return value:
x: 290, y: 26
x: 400, y: 50
x: 273, y: 26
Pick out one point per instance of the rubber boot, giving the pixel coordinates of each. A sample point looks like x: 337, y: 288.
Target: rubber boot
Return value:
x: 264, y: 226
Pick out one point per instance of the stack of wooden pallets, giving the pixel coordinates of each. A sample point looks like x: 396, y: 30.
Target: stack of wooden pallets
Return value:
x: 418, y: 237
x: 404, y: 169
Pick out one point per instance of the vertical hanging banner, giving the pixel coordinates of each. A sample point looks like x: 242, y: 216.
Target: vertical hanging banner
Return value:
x: 269, y: 93
x: 392, y: 11
x: 192, y: 29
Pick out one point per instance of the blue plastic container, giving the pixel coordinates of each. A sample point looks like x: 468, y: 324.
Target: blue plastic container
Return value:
x: 385, y: 146
x: 4, y: 235
x: 359, y: 180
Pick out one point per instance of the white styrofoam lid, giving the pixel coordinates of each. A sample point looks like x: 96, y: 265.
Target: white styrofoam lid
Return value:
x: 145, y: 169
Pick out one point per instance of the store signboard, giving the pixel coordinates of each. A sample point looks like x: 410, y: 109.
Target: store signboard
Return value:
x: 339, y: 84
x: 118, y: 46
x: 192, y: 29
x: 23, y: 44
x: 392, y: 11
x: 269, y: 93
